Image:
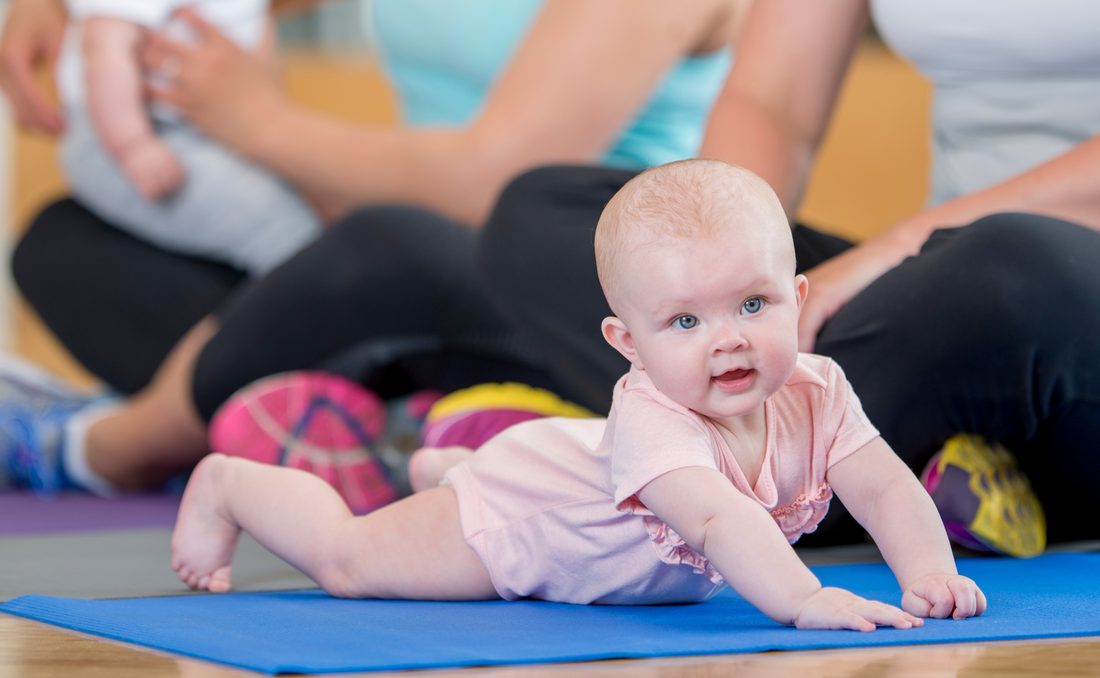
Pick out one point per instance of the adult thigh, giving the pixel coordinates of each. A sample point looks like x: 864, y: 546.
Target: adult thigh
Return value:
x: 389, y: 285
x: 117, y: 303
x: 992, y: 329
x: 537, y: 257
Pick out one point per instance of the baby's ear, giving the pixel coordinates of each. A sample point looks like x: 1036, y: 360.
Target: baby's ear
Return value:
x: 616, y: 334
x: 801, y: 289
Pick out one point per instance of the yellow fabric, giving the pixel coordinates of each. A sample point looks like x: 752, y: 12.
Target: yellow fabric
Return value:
x: 507, y: 396
x: 1010, y: 518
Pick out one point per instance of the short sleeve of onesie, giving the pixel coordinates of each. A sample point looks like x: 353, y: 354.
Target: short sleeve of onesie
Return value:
x: 846, y: 426
x: 651, y: 437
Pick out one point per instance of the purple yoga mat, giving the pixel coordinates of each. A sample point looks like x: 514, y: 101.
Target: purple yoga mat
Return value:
x: 22, y: 513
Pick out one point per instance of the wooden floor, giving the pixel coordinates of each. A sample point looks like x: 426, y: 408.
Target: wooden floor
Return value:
x: 32, y: 650
x: 871, y: 173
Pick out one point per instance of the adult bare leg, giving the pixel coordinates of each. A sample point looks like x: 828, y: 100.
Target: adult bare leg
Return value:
x: 157, y: 432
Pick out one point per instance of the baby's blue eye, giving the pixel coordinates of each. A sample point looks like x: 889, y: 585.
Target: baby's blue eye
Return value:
x: 686, y: 322
x: 752, y: 305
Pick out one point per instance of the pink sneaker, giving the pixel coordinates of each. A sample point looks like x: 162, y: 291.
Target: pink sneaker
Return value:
x: 314, y: 421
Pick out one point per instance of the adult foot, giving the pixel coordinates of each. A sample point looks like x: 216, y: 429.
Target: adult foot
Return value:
x: 34, y: 407
x: 205, y: 536
x: 428, y: 465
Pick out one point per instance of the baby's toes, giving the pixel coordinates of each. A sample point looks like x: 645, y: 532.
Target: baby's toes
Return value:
x: 182, y: 572
x: 219, y: 580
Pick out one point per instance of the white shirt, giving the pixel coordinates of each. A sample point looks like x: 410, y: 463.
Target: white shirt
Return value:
x: 241, y: 20
x: 1017, y: 82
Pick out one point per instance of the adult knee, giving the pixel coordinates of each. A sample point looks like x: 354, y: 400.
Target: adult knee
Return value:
x: 35, y: 264
x: 1022, y: 274
x: 397, y: 248
x: 534, y: 228
x: 509, y: 243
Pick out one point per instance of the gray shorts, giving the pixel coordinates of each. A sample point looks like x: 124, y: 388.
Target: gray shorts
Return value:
x: 229, y: 210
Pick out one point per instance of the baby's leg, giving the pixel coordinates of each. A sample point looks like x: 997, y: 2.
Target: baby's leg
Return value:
x: 428, y: 465
x: 412, y: 549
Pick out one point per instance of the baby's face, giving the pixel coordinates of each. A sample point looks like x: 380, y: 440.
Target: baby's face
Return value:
x: 714, y: 320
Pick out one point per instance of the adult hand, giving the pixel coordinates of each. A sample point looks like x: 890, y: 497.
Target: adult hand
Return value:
x: 219, y: 88
x: 832, y: 608
x: 33, y: 32
x: 942, y: 596
x: 838, y: 280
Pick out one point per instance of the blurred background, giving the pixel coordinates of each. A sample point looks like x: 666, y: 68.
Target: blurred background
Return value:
x: 872, y: 170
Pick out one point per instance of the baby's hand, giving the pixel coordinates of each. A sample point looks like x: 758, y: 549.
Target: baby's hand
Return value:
x: 153, y: 169
x: 832, y: 608
x: 942, y: 596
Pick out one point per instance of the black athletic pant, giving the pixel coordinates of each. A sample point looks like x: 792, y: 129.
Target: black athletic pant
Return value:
x: 117, y: 303
x: 993, y: 329
x: 389, y: 296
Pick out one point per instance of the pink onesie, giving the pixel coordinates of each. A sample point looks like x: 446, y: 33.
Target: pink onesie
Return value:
x: 551, y: 508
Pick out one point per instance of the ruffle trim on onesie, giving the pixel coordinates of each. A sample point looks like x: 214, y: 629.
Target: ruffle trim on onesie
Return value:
x: 672, y: 549
x: 803, y: 514
x: 795, y: 519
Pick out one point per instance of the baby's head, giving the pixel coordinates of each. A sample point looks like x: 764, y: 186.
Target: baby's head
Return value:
x: 697, y: 262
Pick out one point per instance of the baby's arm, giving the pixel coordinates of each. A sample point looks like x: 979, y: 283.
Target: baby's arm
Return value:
x: 116, y: 107
x: 888, y: 500
x: 745, y: 545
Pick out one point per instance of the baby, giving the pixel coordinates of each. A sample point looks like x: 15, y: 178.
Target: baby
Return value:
x: 146, y: 171
x: 723, y: 445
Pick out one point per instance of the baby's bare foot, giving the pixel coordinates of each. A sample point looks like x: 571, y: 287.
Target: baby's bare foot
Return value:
x: 153, y: 168
x: 205, y: 538
x: 428, y: 465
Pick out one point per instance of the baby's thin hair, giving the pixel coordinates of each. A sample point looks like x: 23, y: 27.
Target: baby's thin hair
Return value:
x: 687, y: 199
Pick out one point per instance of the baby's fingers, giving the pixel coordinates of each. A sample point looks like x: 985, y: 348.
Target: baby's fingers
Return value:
x: 915, y: 605
x: 936, y: 595
x: 853, y: 621
x: 882, y: 614
x: 969, y: 600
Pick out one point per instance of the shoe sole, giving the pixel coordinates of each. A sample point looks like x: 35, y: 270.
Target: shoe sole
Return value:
x: 313, y: 421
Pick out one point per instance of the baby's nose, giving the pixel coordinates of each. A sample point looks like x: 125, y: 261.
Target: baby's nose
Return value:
x: 728, y: 340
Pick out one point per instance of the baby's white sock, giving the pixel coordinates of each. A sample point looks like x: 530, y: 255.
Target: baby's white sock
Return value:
x: 73, y: 449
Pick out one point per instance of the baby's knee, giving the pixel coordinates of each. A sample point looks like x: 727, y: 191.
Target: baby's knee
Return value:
x: 336, y: 571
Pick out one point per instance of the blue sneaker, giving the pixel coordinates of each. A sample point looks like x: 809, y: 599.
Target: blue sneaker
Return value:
x: 34, y: 407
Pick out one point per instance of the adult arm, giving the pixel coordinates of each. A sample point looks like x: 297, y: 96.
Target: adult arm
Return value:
x: 582, y: 71
x: 33, y: 31
x: 774, y: 111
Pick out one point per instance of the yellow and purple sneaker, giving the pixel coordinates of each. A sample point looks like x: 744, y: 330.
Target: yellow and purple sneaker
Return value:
x: 313, y: 421
x: 985, y: 501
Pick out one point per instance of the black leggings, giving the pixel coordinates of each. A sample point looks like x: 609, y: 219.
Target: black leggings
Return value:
x: 390, y: 296
x: 993, y: 329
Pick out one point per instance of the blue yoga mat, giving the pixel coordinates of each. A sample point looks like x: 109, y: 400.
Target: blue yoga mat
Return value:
x: 308, y: 632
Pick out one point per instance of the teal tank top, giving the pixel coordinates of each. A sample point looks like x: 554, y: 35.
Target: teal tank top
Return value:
x: 442, y: 57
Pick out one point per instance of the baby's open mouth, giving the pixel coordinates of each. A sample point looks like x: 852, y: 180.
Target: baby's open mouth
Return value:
x: 733, y: 375
x: 735, y: 378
